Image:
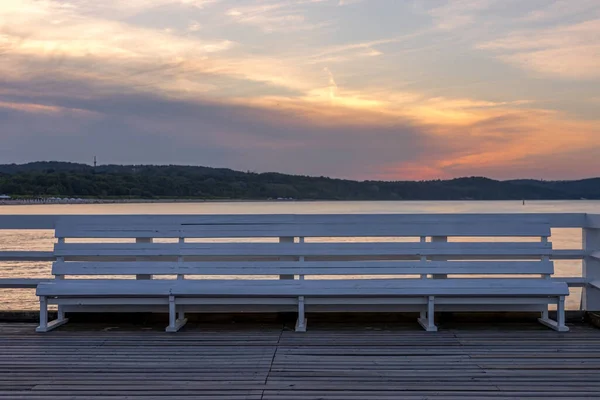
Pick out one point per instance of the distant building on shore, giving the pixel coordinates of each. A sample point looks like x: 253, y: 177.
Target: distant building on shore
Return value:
x: 4, y: 197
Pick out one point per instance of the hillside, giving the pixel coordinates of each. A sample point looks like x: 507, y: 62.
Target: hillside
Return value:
x: 171, y: 181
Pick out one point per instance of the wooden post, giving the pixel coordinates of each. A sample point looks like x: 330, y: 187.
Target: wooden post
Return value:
x: 143, y: 240
x: 172, y: 314
x: 423, y: 239
x: 43, y: 315
x: 590, y: 296
x: 61, y: 309
x: 301, y: 323
x: 439, y: 239
x: 560, y: 314
x: 545, y: 259
x: 180, y: 261
x: 286, y: 239
x: 431, y: 314
x: 301, y: 259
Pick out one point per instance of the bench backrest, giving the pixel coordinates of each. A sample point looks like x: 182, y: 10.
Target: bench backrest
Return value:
x: 304, y: 245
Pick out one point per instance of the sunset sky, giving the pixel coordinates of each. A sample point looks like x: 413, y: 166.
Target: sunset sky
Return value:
x: 371, y: 89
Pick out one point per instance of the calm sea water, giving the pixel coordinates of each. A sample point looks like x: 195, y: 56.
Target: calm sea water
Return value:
x: 43, y: 240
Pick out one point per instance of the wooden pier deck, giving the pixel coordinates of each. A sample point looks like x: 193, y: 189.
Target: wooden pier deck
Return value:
x: 271, y: 362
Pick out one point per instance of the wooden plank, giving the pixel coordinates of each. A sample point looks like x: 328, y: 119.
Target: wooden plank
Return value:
x: 290, y: 288
x: 372, y: 287
x: 306, y: 268
x: 155, y: 219
x: 512, y: 249
x: 21, y: 283
x: 567, y: 254
x: 28, y: 221
x: 572, y: 281
x: 26, y: 256
x: 556, y: 220
x: 367, y: 225
x: 103, y: 287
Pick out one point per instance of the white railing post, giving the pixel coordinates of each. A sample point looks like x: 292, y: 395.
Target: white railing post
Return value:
x: 286, y: 239
x: 590, y: 296
x: 143, y: 240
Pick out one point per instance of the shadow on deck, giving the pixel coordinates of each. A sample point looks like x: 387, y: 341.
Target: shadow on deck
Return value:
x: 269, y: 361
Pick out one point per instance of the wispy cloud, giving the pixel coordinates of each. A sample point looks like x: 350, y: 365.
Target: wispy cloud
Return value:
x: 194, y: 26
x: 571, y: 51
x: 458, y: 13
x: 36, y: 108
x: 560, y: 9
x: 348, y: 2
x: 275, y: 16
x: 350, y: 51
x: 108, y: 8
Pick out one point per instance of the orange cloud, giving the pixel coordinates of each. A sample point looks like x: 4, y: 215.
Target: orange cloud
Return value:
x: 506, y: 146
x: 44, y: 109
x: 33, y: 108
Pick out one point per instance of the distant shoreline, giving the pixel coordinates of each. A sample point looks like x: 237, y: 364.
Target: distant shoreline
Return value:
x: 53, y: 182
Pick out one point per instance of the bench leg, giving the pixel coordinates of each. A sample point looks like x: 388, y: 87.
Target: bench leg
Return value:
x: 428, y: 322
x: 301, y: 322
x: 175, y: 324
x: 46, y: 326
x: 61, y: 313
x: 559, y: 324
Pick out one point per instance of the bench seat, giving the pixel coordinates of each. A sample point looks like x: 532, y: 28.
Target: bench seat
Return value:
x: 295, y: 288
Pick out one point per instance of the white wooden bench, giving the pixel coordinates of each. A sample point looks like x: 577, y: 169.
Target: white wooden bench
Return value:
x: 366, y: 268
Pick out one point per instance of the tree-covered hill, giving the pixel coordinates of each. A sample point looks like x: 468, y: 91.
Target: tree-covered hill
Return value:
x: 172, y: 181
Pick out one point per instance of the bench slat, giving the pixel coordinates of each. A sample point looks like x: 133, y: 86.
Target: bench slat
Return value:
x: 292, y: 288
x: 11, y: 255
x: 303, y: 249
x: 104, y: 287
x: 21, y: 283
x: 499, y: 229
x: 306, y: 268
x: 219, y: 219
x: 203, y: 226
